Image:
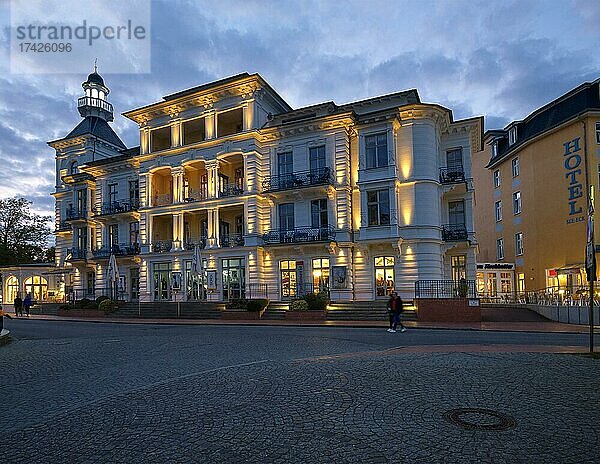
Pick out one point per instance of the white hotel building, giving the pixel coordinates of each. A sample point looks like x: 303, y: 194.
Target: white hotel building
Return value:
x: 359, y: 198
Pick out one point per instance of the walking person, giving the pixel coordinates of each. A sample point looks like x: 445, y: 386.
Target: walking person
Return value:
x: 18, y: 304
x: 394, y: 307
x: 27, y: 303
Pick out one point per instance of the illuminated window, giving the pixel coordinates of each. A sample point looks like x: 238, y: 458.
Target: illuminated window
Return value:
x: 459, y: 267
x: 288, y: 276
x: 505, y: 282
x: 320, y: 272
x: 12, y: 289
x: 384, y: 275
x: 521, y: 282
x: 38, y: 287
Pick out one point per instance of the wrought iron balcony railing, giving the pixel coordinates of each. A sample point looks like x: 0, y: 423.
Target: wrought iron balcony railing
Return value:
x: 117, y: 250
x: 116, y: 207
x: 64, y: 226
x: 299, y: 235
x: 445, y: 289
x: 195, y: 195
x: 231, y: 190
x: 454, y: 232
x: 74, y: 254
x: 231, y: 240
x: 162, y: 199
x: 452, y: 175
x: 322, y: 176
x: 162, y: 246
x: 97, y: 102
x: 191, y: 243
x: 74, y: 213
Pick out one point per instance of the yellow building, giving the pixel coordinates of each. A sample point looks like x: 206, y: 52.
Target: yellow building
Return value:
x: 531, y: 193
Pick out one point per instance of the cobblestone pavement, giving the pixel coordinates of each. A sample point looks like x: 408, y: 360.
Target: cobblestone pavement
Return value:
x: 115, y: 394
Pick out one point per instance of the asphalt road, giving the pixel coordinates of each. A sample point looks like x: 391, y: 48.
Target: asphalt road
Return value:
x: 96, y: 392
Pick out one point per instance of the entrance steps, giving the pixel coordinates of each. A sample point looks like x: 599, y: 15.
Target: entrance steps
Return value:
x: 276, y: 310
x: 168, y: 310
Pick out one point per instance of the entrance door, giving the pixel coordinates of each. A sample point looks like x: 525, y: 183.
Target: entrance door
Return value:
x: 234, y: 278
x: 195, y: 286
x: 289, y: 281
x: 162, y: 281
x: 384, y: 276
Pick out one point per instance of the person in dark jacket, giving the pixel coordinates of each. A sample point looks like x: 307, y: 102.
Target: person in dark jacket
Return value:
x: 27, y: 303
x: 394, y: 307
x: 18, y: 304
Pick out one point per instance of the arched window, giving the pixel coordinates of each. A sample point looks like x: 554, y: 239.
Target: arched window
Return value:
x: 38, y: 287
x: 12, y: 288
x: 73, y: 168
x: 94, y: 93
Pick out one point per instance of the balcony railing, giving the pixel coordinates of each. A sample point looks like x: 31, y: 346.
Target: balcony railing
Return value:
x: 74, y: 213
x: 299, y: 235
x: 97, y: 102
x: 231, y: 190
x: 190, y: 244
x: 74, y: 254
x: 196, y: 195
x: 117, y: 250
x: 162, y: 246
x: 454, y: 232
x: 452, y: 175
x: 322, y: 176
x: 445, y: 289
x: 63, y: 226
x: 162, y: 199
x: 116, y: 207
x: 231, y: 240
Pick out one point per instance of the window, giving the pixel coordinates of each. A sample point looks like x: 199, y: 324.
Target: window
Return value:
x: 454, y: 160
x: 318, y: 212
x: 498, y: 209
x: 519, y: 243
x: 230, y: 122
x: 521, y: 282
x: 494, y: 149
x: 515, y: 167
x: 286, y: 216
x: 134, y: 233
x: 516, y: 202
x: 193, y: 131
x: 287, y: 270
x: 459, y: 267
x: 512, y: 135
x: 320, y: 273
x: 82, y: 238
x: 376, y: 150
x: 384, y: 275
x: 317, y: 158
x: 285, y: 163
x: 113, y: 235
x: 378, y: 207
x: 73, y: 168
x: 500, y: 248
x: 598, y: 132
x: 505, y: 282
x: 497, y: 178
x: 134, y: 193
x: 82, y: 201
x: 160, y: 139
x: 38, y: 287
x: 91, y: 280
x: 456, y: 213
x: 112, y: 193
x: 12, y: 289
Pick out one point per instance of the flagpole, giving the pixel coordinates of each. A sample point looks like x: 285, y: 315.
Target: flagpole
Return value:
x: 590, y: 264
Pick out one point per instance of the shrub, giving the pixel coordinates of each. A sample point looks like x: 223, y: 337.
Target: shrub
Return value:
x: 102, y: 298
x: 316, y: 301
x: 299, y: 305
x: 256, y: 305
x: 83, y: 303
x: 239, y: 303
x: 108, y: 306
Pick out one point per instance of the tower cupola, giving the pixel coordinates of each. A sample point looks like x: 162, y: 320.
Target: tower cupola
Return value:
x: 94, y: 102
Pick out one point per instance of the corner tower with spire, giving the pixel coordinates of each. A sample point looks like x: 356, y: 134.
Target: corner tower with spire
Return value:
x: 94, y: 102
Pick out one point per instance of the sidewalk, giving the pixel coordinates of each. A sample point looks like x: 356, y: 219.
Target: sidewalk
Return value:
x: 549, y: 327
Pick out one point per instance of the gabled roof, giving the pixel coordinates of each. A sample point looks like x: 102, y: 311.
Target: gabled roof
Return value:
x: 98, y: 127
x: 125, y: 155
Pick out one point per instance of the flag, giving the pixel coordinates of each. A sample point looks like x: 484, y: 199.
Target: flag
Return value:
x: 590, y: 248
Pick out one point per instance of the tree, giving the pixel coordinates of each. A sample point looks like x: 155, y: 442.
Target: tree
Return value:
x: 23, y: 234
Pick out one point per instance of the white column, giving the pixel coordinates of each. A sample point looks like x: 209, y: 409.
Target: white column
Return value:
x: 212, y: 170
x: 210, y: 125
x: 178, y: 231
x: 177, y: 174
x: 176, y: 139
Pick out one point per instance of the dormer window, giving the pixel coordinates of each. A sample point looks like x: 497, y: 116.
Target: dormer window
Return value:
x: 494, y: 149
x: 512, y: 135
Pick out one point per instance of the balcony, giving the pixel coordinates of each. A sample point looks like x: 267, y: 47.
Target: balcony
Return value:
x: 193, y: 195
x: 63, y: 226
x: 454, y: 232
x: 117, y: 207
x: 231, y: 241
x: 296, y: 180
x: 74, y: 214
x: 76, y: 254
x: 452, y: 175
x: 299, y: 235
x: 162, y: 246
x: 97, y: 102
x: 191, y: 244
x: 162, y: 199
x: 117, y: 250
x: 231, y: 190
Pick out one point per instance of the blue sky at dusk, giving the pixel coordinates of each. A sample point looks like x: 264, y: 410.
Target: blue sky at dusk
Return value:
x: 500, y: 59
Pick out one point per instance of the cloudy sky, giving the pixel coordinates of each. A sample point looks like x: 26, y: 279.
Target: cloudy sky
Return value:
x: 500, y: 59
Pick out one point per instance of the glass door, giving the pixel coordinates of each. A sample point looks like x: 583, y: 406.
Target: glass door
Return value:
x: 384, y: 276
x: 288, y: 276
x: 162, y: 281
x: 234, y: 278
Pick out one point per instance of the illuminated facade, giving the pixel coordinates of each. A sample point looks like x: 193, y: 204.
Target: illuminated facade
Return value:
x: 531, y: 184
x: 359, y: 199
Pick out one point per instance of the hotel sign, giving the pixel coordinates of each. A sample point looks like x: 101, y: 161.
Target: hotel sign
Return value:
x: 572, y: 164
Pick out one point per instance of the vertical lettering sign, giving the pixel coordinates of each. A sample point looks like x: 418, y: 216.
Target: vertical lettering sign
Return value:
x: 572, y: 163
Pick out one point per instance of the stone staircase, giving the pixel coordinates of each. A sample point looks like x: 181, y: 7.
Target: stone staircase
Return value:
x: 367, y: 311
x: 276, y: 310
x: 168, y: 310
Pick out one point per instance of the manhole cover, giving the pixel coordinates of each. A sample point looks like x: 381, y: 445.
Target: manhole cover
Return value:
x: 479, y: 419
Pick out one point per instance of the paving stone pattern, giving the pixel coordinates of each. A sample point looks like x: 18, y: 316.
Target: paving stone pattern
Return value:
x: 221, y: 395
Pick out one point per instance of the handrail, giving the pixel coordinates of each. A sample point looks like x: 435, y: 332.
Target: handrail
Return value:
x: 94, y: 101
x: 162, y: 246
x: 452, y: 175
x: 454, y: 232
x: 116, y: 207
x: 299, y: 179
x: 299, y: 234
x: 126, y: 249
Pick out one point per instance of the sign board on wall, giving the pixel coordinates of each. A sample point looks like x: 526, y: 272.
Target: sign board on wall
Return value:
x: 574, y: 170
x: 339, y: 277
x: 211, y: 279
